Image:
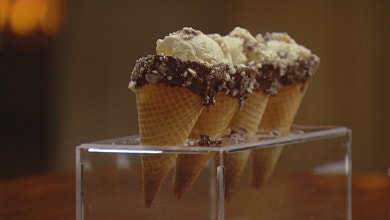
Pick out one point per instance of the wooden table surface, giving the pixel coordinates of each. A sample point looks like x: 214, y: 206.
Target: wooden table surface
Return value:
x: 52, y: 196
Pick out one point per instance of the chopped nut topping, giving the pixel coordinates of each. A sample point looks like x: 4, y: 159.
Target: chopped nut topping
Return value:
x: 205, y: 80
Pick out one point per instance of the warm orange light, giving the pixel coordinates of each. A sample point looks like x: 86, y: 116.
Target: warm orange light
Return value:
x: 50, y: 16
x: 24, y: 17
x: 4, y: 12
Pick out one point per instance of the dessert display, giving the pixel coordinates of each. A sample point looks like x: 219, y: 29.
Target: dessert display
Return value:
x: 217, y: 90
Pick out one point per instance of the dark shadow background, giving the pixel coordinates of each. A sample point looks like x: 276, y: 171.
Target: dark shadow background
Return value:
x: 62, y: 90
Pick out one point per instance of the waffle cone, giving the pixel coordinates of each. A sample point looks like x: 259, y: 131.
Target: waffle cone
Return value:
x: 215, y: 119
x: 234, y: 164
x: 166, y: 116
x: 188, y: 168
x: 213, y: 122
x: 279, y: 115
x: 248, y: 117
x: 282, y: 108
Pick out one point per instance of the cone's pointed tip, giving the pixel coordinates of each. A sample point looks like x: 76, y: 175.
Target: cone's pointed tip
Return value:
x: 150, y: 196
x: 148, y: 204
x: 228, y: 197
x: 178, y: 193
x: 227, y: 200
x: 179, y: 196
x: 258, y: 185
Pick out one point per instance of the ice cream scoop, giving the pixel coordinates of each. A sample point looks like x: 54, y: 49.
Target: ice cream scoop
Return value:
x: 193, y: 45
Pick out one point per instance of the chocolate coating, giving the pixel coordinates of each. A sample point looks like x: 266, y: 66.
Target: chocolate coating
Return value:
x: 300, y: 72
x: 204, y: 79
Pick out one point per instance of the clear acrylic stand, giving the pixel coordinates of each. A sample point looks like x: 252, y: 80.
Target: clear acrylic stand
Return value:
x: 311, y: 179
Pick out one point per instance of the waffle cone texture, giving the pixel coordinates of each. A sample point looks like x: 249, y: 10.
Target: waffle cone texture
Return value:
x: 278, y: 116
x: 166, y: 116
x: 248, y: 118
x: 213, y: 122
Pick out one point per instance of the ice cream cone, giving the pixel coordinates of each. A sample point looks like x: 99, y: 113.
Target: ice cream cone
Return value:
x: 215, y: 119
x: 234, y: 164
x: 263, y: 163
x: 213, y: 122
x: 250, y: 114
x: 248, y: 118
x: 188, y: 168
x: 278, y: 116
x: 166, y: 116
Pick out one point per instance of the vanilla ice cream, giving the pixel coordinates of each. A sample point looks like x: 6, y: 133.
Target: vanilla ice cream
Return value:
x: 284, y: 48
x: 236, y: 49
x: 253, y: 48
x: 192, y: 45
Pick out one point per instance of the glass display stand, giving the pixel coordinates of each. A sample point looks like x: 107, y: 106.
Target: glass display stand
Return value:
x: 311, y: 179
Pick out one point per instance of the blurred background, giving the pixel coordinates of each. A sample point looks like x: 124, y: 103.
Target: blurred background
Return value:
x: 65, y: 67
